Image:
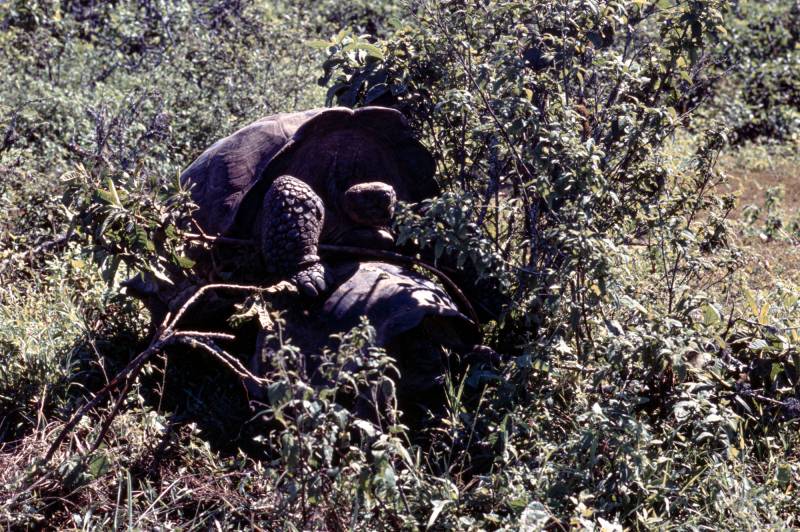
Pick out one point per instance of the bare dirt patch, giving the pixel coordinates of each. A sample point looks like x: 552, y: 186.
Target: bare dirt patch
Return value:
x: 775, y: 258
x: 750, y: 186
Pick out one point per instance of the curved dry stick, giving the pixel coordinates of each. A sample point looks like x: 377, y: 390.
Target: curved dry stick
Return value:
x: 165, y: 336
x: 230, y: 361
x: 389, y: 256
x: 283, y: 286
x: 219, y: 239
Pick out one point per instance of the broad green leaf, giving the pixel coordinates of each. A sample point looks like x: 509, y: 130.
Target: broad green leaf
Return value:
x: 711, y: 315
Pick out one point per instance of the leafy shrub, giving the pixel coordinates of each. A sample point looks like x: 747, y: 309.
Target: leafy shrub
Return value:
x: 553, y: 114
x: 560, y: 117
x: 644, y: 384
x: 52, y: 333
x: 760, y: 96
x: 73, y: 90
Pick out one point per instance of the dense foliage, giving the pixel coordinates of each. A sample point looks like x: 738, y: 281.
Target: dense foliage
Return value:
x: 760, y: 95
x: 651, y: 375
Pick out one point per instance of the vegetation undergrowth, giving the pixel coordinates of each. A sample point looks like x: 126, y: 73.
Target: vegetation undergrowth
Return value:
x: 598, y: 162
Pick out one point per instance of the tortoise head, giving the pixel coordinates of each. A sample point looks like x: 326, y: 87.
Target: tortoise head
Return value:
x: 370, y: 204
x: 360, y: 172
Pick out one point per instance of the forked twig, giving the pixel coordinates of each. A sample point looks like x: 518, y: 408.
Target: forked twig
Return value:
x: 165, y: 336
x: 230, y: 361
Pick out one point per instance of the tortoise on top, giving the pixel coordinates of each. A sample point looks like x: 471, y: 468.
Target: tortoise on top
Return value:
x: 294, y: 180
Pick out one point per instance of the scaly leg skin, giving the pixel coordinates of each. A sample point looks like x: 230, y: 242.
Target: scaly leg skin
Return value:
x: 291, y: 222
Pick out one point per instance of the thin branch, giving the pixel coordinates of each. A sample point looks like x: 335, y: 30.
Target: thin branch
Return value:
x: 233, y: 363
x: 283, y: 286
x: 166, y: 335
x: 219, y: 239
x: 205, y: 334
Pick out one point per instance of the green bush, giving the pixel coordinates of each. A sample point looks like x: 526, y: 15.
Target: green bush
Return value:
x: 552, y: 118
x: 557, y: 121
x: 759, y: 96
x: 644, y: 385
x: 136, y: 88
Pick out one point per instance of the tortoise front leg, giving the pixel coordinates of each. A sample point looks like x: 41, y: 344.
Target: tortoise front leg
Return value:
x: 291, y: 223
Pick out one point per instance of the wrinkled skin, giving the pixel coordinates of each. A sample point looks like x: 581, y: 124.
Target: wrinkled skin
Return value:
x: 291, y: 222
x: 337, y: 191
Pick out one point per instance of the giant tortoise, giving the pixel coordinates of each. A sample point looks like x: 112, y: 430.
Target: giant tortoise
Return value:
x: 293, y: 181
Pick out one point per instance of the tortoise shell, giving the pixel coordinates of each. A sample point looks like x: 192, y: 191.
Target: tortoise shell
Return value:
x: 330, y: 149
